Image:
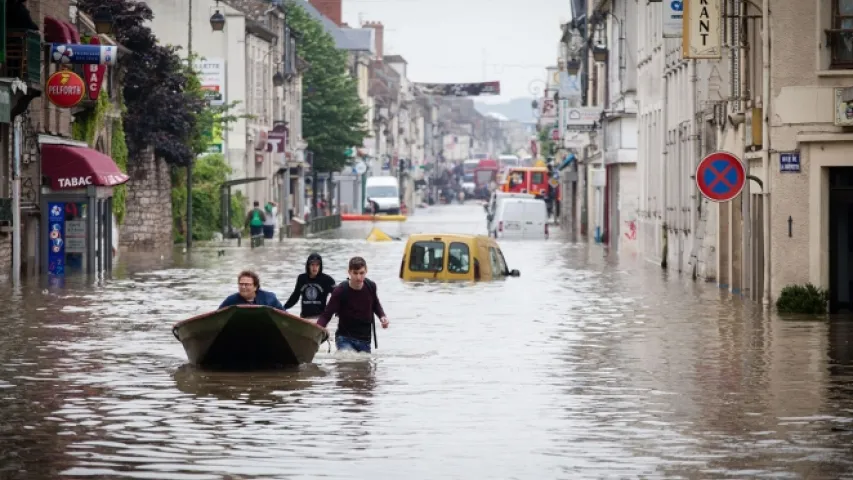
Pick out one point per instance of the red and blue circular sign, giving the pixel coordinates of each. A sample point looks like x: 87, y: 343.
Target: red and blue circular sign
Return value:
x: 720, y: 176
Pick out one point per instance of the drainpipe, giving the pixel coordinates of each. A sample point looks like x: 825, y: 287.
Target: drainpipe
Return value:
x: 694, y: 153
x: 16, y: 203
x: 765, y: 140
x: 664, y: 167
x: 746, y: 207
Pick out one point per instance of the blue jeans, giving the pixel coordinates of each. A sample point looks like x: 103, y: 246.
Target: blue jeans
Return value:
x: 348, y: 343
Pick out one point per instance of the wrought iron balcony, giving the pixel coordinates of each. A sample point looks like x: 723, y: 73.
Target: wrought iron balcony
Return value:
x: 839, y: 41
x: 24, y: 55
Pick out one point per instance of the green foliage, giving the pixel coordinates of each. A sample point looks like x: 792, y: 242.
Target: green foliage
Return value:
x: 806, y: 299
x: 545, y: 143
x: 333, y: 118
x: 211, y: 117
x: 85, y: 128
x: 120, y: 155
x: 209, y: 172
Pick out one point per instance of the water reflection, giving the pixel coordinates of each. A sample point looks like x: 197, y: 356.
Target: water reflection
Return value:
x: 268, y: 387
x: 586, y: 366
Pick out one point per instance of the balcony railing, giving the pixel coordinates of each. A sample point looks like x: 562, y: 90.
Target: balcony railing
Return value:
x: 5, y: 212
x: 23, y: 55
x: 839, y: 41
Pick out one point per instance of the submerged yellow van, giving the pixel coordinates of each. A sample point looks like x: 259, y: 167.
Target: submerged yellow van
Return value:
x: 453, y: 257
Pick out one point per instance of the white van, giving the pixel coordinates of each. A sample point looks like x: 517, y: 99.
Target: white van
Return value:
x: 385, y: 191
x: 492, y: 207
x: 520, y: 218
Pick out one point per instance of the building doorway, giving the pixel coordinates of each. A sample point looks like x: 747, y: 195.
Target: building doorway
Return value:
x: 841, y: 240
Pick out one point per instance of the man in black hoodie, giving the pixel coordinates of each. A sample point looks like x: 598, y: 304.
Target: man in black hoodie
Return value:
x: 313, y: 286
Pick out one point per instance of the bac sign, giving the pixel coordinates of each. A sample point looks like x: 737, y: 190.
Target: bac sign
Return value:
x: 94, y: 75
x: 720, y: 176
x: 65, y: 89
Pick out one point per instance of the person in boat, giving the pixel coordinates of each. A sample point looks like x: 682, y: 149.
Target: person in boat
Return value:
x: 249, y: 293
x: 355, y: 301
x: 313, y: 286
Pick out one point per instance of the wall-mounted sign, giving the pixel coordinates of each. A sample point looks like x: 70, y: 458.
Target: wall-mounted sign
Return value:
x: 673, y: 18
x: 789, y: 162
x: 65, y: 89
x: 78, y: 54
x: 211, y: 74
x: 94, y: 75
x: 702, y: 27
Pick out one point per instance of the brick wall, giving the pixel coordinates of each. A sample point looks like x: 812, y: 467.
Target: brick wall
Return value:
x: 50, y: 119
x: 148, y: 222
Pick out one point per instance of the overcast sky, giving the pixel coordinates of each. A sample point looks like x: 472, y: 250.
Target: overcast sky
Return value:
x: 451, y: 40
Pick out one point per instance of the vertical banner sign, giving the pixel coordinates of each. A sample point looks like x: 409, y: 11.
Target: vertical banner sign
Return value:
x: 672, y: 17
x: 702, y: 27
x: 56, y: 238
x: 94, y: 75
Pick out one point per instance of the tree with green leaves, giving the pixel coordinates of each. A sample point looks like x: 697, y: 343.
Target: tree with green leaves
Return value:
x: 333, y: 118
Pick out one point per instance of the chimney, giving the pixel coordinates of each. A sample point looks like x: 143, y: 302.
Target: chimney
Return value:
x: 379, y: 30
x: 330, y: 9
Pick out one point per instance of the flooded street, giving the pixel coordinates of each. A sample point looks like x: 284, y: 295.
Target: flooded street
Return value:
x: 582, y: 367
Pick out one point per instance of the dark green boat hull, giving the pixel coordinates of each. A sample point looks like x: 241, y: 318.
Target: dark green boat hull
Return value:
x: 249, y: 337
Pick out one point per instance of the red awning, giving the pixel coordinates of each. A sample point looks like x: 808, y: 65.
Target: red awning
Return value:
x: 70, y: 167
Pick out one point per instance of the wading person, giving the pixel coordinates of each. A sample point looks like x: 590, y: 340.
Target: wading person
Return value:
x: 313, y: 286
x: 249, y: 293
x: 355, y: 302
x: 255, y: 220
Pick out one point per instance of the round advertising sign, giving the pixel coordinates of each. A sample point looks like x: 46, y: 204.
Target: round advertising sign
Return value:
x: 65, y: 89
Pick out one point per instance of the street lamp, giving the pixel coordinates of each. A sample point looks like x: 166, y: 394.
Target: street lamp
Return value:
x: 217, y: 20
x: 103, y: 21
x: 278, y: 79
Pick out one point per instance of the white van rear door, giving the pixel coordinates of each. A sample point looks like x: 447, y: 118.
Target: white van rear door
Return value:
x: 535, y: 213
x: 512, y: 218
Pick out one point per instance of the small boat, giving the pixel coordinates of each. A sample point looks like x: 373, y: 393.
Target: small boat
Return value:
x: 249, y: 337
x: 355, y: 217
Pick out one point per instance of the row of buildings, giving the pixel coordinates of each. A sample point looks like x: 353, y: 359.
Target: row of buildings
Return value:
x: 642, y: 91
x: 408, y: 131
x: 56, y: 192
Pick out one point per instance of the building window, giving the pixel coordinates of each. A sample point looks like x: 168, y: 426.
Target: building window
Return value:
x: 840, y: 37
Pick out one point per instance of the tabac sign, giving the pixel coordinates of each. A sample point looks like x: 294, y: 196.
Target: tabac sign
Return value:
x: 701, y: 38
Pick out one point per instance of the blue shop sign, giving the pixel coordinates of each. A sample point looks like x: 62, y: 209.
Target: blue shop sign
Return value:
x: 56, y: 238
x: 77, y: 54
x: 789, y: 162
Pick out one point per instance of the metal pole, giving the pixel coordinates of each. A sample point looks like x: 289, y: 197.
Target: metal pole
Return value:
x: 765, y: 144
x: 285, y: 203
x: 189, y: 230
x: 16, y: 203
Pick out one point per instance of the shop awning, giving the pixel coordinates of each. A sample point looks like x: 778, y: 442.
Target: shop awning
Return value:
x: 70, y: 167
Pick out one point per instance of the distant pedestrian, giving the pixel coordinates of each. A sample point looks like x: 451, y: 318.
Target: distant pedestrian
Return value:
x: 255, y: 220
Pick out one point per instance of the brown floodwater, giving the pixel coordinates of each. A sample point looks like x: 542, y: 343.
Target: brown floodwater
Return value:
x: 585, y: 366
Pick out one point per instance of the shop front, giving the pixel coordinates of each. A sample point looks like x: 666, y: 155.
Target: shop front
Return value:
x: 77, y: 206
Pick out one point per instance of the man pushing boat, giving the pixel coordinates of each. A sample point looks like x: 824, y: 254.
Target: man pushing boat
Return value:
x: 249, y: 293
x: 355, y: 302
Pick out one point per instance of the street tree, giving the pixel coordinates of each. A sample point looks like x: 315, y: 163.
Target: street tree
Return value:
x: 333, y: 118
